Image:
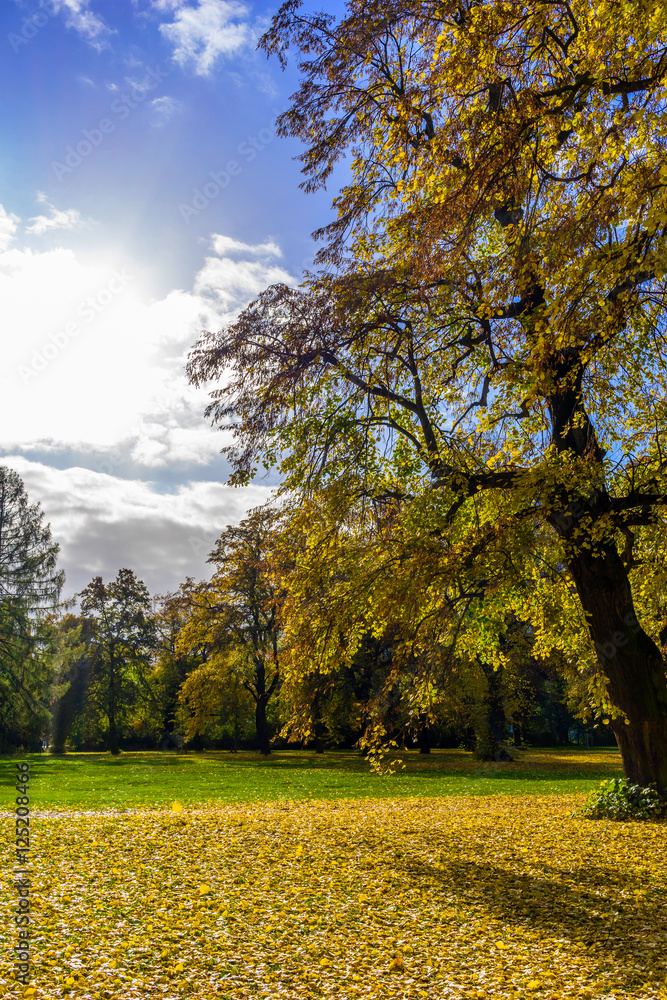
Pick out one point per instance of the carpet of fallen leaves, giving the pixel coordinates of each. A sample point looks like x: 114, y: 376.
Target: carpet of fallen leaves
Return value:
x: 492, y: 896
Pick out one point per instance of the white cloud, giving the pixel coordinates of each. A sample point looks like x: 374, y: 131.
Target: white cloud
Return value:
x: 223, y: 245
x: 8, y: 227
x: 164, y: 109
x: 57, y: 219
x: 228, y: 281
x: 83, y: 20
x: 104, y: 523
x: 202, y: 34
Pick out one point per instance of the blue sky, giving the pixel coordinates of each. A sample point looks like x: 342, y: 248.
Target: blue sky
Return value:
x: 145, y: 197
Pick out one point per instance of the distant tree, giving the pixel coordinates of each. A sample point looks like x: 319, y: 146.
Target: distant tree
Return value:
x: 214, y: 697
x: 237, y: 613
x: 70, y: 681
x: 173, y: 663
x: 120, y: 643
x: 30, y: 586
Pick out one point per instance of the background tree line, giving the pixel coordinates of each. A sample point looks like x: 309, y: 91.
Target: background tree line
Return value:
x: 209, y: 666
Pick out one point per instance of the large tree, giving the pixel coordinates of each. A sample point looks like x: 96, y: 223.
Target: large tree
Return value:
x: 491, y: 327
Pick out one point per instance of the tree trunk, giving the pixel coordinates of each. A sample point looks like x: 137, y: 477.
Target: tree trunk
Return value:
x: 262, y: 726
x: 318, y: 726
x: 261, y: 696
x: 630, y: 660
x: 62, y: 724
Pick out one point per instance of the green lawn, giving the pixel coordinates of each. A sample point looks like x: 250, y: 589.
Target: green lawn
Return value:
x: 97, y: 780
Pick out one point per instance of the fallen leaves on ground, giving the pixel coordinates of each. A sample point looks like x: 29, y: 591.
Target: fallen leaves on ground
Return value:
x: 440, y: 898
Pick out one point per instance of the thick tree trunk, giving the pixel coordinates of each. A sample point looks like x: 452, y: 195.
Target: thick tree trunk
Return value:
x: 630, y: 660
x: 262, y: 726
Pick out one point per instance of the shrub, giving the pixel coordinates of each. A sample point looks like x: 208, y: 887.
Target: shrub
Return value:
x: 618, y: 799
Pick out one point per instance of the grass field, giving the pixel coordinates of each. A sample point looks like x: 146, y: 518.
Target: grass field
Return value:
x: 93, y: 780
x: 315, y: 879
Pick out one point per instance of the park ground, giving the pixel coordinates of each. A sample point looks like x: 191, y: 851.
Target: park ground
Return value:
x: 304, y: 876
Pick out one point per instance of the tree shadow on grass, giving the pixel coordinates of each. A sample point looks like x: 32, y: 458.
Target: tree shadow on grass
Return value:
x: 588, y: 908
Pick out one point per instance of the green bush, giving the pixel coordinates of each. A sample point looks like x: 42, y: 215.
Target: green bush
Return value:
x: 618, y: 799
